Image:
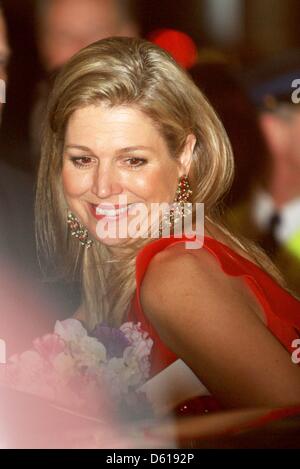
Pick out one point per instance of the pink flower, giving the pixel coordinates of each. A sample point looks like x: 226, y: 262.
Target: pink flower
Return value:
x: 49, y: 346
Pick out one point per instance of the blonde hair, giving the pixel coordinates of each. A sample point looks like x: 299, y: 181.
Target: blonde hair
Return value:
x: 123, y: 71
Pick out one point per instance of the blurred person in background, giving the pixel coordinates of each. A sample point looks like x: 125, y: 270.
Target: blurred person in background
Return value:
x: 275, y: 208
x: 264, y: 201
x: 20, y: 273
x: 17, y: 195
x: 220, y: 83
x: 66, y: 26
x: 63, y: 28
x: 22, y: 316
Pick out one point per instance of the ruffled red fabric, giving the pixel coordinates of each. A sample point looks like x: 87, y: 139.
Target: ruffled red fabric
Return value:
x: 282, y: 310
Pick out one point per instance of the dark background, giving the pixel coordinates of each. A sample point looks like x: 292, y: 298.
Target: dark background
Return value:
x: 267, y: 26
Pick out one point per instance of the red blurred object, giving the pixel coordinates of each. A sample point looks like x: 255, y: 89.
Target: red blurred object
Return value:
x: 178, y: 44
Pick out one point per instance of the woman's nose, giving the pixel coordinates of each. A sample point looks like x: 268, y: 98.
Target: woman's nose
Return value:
x: 106, y: 183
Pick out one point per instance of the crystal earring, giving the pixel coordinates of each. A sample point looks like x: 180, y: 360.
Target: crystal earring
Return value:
x: 79, y: 231
x: 179, y: 207
x: 184, y: 190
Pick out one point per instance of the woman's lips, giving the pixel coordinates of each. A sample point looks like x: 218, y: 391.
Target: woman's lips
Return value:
x: 112, y: 212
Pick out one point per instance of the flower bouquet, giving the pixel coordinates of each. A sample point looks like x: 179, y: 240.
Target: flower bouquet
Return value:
x: 97, y: 375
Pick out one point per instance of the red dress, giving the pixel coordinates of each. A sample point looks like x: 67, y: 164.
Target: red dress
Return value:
x: 281, y: 309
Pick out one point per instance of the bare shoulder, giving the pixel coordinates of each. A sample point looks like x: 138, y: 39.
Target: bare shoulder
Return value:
x: 207, y: 319
x: 180, y: 260
x: 191, y: 283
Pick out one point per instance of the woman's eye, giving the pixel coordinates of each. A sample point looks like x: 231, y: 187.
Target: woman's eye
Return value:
x: 135, y: 162
x: 81, y: 161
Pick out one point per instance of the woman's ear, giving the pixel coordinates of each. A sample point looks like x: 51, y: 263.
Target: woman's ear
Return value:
x: 185, y: 159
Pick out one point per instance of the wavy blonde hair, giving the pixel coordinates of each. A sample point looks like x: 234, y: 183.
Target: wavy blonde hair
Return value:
x: 134, y: 72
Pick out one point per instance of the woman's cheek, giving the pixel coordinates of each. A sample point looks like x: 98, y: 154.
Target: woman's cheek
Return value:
x: 75, y: 184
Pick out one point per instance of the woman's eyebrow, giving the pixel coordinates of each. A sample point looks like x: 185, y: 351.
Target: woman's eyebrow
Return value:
x: 77, y: 147
x: 119, y: 150
x: 134, y: 148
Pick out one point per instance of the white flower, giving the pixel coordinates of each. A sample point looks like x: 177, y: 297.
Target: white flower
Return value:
x: 141, y: 347
x: 137, y: 337
x: 113, y: 374
x: 124, y: 373
x: 64, y: 365
x: 88, y: 352
x: 70, y: 330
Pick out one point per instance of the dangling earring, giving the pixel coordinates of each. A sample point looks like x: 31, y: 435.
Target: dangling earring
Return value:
x: 184, y: 190
x: 79, y: 231
x: 179, y: 208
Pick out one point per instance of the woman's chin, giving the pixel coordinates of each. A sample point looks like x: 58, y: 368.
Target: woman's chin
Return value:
x: 111, y: 242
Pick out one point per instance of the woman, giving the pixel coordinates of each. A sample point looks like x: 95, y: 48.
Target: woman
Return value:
x: 125, y: 120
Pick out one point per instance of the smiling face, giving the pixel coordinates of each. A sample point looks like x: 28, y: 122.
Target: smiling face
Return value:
x: 111, y: 152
